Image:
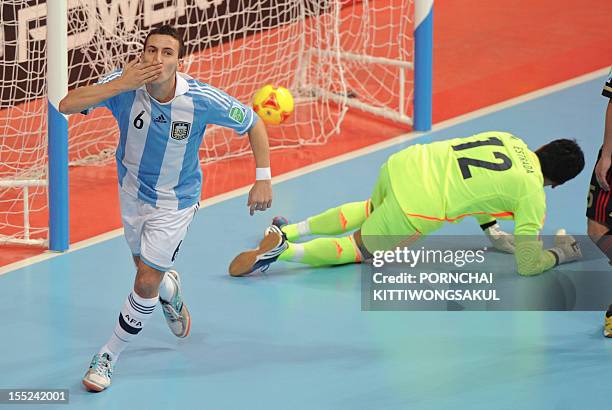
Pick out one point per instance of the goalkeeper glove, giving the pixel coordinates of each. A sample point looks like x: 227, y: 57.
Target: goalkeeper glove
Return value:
x: 566, y: 248
x: 501, y: 240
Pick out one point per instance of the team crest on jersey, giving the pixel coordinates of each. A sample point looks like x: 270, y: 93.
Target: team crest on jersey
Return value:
x: 237, y: 114
x: 180, y: 130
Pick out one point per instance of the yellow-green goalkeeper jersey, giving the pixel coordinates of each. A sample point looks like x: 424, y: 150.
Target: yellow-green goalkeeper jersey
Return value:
x: 488, y: 175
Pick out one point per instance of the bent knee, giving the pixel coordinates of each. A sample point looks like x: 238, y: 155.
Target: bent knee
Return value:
x: 596, y: 230
x: 147, y: 281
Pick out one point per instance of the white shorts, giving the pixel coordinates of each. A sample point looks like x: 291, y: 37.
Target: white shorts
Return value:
x: 154, y: 234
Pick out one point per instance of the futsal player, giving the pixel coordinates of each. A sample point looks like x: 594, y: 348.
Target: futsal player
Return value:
x: 489, y: 176
x: 599, y: 206
x: 162, y: 116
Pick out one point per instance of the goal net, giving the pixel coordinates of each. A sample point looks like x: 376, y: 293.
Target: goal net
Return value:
x: 334, y: 55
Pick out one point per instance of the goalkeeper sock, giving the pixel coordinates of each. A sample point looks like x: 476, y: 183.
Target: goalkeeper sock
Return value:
x: 133, y: 316
x: 605, y: 244
x: 323, y: 251
x: 334, y: 221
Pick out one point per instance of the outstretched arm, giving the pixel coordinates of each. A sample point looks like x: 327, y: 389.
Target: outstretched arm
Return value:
x: 88, y: 96
x: 260, y: 195
x: 134, y: 75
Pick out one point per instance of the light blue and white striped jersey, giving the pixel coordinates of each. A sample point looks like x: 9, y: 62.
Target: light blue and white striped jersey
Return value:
x: 157, y: 155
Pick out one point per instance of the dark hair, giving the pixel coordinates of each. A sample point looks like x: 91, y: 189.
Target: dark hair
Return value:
x: 561, y: 160
x: 168, y: 30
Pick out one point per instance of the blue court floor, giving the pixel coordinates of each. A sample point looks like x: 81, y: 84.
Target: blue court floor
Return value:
x: 296, y: 338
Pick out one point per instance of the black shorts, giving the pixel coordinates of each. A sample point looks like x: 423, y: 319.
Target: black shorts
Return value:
x: 599, y: 205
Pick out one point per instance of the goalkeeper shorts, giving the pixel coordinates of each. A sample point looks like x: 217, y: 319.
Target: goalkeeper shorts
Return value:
x: 154, y: 234
x: 387, y: 226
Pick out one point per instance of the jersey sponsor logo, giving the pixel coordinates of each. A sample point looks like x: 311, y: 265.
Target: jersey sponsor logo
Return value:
x: 160, y: 119
x: 180, y: 130
x: 237, y: 114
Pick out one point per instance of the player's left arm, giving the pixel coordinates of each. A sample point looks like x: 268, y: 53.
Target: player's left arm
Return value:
x: 228, y: 112
x: 531, y: 257
x: 260, y: 195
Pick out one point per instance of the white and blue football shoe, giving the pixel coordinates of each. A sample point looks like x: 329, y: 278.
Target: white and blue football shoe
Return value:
x: 271, y: 246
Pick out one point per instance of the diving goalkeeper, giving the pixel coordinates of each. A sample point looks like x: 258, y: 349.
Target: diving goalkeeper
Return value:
x: 489, y: 176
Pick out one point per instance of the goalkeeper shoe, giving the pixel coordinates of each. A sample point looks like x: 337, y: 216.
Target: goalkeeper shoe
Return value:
x: 98, y: 376
x: 608, y: 323
x: 268, y: 251
x: 175, y: 311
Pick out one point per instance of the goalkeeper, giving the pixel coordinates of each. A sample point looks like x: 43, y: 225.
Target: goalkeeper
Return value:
x: 489, y: 176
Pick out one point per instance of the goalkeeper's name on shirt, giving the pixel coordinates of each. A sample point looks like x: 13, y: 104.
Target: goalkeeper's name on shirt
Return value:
x: 418, y: 295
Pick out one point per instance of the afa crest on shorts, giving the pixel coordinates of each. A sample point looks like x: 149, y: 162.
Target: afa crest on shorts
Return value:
x: 180, y: 130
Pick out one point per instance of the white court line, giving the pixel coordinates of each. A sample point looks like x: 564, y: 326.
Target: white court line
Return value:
x: 333, y: 161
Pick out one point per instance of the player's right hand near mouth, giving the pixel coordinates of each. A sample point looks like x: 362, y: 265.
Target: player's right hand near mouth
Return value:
x: 136, y: 73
